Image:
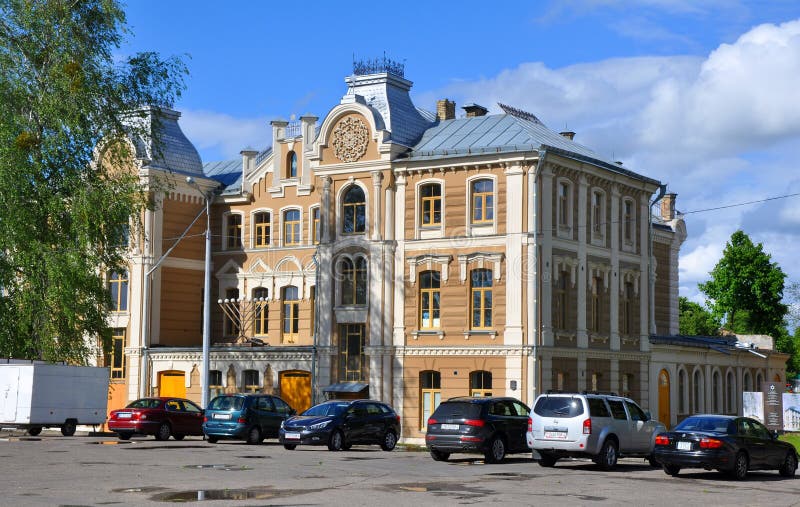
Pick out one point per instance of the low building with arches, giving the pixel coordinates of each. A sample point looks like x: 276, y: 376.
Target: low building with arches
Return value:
x: 406, y: 255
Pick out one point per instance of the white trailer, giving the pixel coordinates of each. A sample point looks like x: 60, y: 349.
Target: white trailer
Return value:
x: 35, y: 395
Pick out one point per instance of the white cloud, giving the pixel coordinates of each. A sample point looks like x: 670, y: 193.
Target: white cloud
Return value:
x: 221, y: 136
x: 720, y: 129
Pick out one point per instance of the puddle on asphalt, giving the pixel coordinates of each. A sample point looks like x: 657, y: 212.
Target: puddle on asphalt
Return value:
x: 21, y: 439
x: 110, y: 442
x: 226, y: 468
x: 255, y: 493
x: 506, y: 476
x: 170, y: 447
x: 95, y: 463
x: 142, y: 489
x: 254, y: 457
x: 456, y: 490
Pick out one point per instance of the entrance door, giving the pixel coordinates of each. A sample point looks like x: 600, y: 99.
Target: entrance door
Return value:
x: 296, y: 389
x: 663, y: 398
x: 172, y: 383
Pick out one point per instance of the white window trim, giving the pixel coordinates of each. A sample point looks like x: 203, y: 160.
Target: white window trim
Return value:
x: 479, y: 229
x: 598, y: 238
x: 338, y: 278
x: 565, y: 230
x: 253, y: 227
x: 283, y: 211
x: 224, y: 234
x: 427, y: 232
x: 340, y: 209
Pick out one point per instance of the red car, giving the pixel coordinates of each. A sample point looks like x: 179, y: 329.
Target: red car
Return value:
x: 160, y: 417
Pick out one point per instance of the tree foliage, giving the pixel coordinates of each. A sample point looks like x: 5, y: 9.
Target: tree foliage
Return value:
x: 63, y: 217
x: 695, y: 320
x: 746, y: 288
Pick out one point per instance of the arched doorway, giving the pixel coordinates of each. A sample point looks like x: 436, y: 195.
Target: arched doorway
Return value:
x: 172, y: 383
x: 663, y: 398
x: 296, y: 389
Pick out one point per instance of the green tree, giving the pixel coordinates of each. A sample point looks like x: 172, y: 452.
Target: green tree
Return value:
x: 694, y: 320
x: 746, y: 288
x: 790, y: 344
x: 63, y: 216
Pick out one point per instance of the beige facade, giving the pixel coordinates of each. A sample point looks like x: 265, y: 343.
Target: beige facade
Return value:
x: 388, y: 253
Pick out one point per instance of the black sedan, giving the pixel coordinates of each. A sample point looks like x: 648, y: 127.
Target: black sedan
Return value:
x: 730, y: 444
x: 341, y: 423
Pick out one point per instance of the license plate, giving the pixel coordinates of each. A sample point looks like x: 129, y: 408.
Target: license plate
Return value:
x: 124, y: 415
x: 555, y: 435
x: 292, y: 436
x: 221, y: 416
x: 450, y: 426
x: 684, y: 446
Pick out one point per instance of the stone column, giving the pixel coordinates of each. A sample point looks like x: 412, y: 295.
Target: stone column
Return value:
x: 616, y: 282
x: 399, y: 259
x: 645, y: 294
x: 547, y: 259
x: 377, y: 178
x: 514, y: 279
x: 325, y: 211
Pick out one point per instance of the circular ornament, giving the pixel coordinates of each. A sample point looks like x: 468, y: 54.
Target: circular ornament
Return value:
x: 350, y: 139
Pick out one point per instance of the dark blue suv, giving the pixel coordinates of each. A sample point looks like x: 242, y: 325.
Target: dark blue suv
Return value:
x: 341, y: 423
x: 249, y: 417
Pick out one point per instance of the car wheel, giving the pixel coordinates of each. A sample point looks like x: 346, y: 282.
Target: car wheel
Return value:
x: 163, y: 432
x: 547, y: 460
x: 212, y: 440
x: 68, y: 428
x: 497, y: 450
x: 740, y: 466
x: 789, y: 465
x: 389, y: 441
x: 439, y: 455
x: 336, y: 442
x: 653, y: 461
x: 289, y: 447
x: 672, y: 470
x: 254, y: 436
x: 35, y: 430
x: 607, y: 459
x: 178, y: 437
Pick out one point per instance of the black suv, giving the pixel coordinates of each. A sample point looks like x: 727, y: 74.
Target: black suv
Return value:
x: 490, y: 426
x: 342, y: 423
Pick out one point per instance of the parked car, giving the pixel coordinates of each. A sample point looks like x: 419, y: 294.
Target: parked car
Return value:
x: 726, y: 443
x: 160, y: 417
x: 248, y: 417
x: 602, y: 427
x: 339, y: 424
x: 491, y: 426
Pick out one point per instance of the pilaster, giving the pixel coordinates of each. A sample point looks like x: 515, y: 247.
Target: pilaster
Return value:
x: 547, y: 259
x: 582, y: 335
x: 616, y: 284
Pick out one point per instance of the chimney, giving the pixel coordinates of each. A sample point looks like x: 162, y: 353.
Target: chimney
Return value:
x: 668, y: 206
x: 474, y: 110
x: 445, y: 110
x: 248, y: 159
x: 569, y: 135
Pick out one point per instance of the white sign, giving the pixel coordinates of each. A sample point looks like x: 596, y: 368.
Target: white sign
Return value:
x: 753, y: 405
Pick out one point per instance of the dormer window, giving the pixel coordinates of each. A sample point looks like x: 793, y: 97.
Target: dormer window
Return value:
x: 291, y: 165
x: 354, y: 210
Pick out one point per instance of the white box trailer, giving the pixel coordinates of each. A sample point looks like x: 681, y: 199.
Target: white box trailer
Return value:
x: 35, y: 395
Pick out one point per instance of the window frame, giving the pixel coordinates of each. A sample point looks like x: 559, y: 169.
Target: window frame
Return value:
x: 597, y: 216
x: 290, y: 314
x: 354, y: 276
x: 482, y: 292
x: 116, y: 357
x: 315, y: 214
x: 229, y: 327
x: 359, y: 206
x: 247, y: 385
x: 433, y: 296
x: 564, y: 208
x: 492, y: 195
x: 291, y: 165
x: 260, y: 312
x: 433, y: 200
x: 628, y: 224
x: 296, y: 235
x: 560, y: 296
x: 480, y: 377
x: 119, y: 290
x: 434, y: 393
x: 233, y: 241
x: 261, y: 229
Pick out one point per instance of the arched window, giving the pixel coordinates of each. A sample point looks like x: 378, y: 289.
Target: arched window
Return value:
x: 291, y: 313
x: 260, y: 311
x: 354, y: 281
x: 682, y: 394
x: 731, y: 392
x: 598, y: 216
x: 480, y: 383
x: 430, y: 196
x: 716, y: 392
x: 759, y: 381
x: 429, y: 300
x: 354, y: 211
x: 291, y: 227
x: 261, y: 221
x: 250, y: 381
x: 291, y: 165
x: 697, y: 399
x: 118, y: 286
x: 748, y: 381
x: 628, y: 223
x: 481, y: 303
x: 430, y: 394
x: 482, y: 201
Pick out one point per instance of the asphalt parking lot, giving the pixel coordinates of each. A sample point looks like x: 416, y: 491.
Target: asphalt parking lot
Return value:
x: 99, y: 470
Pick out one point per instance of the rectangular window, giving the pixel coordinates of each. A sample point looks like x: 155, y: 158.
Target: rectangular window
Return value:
x: 315, y: 231
x: 482, y: 202
x: 262, y: 232
x: 596, y: 305
x: 560, y: 302
x: 116, y: 359
x: 431, y: 200
x: 291, y: 314
x: 564, y: 205
x: 291, y: 228
x: 627, y: 308
x: 430, y: 395
x: 260, y: 311
x: 215, y: 383
x: 598, y: 217
x: 351, y: 353
x: 481, y: 303
x: 118, y: 286
x: 231, y: 310
x: 251, y: 384
x: 628, y: 222
x: 233, y: 231
x: 429, y: 300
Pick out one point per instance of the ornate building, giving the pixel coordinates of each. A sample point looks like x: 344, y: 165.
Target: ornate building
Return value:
x: 410, y: 256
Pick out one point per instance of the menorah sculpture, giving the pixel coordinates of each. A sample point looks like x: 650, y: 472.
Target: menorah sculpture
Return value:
x: 241, y: 311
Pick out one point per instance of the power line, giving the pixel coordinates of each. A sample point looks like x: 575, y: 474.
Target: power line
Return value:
x: 785, y: 196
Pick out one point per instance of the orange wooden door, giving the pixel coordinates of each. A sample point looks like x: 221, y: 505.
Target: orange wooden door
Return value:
x: 663, y: 398
x: 296, y: 389
x: 172, y: 383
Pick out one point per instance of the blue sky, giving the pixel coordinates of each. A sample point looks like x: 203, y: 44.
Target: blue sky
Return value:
x: 702, y: 95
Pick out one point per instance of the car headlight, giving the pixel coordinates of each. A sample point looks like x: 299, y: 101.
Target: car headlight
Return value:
x: 319, y: 426
x: 282, y: 424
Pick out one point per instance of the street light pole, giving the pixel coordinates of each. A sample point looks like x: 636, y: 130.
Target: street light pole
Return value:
x: 204, y: 368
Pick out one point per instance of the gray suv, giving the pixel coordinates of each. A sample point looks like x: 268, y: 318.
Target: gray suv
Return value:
x: 602, y: 427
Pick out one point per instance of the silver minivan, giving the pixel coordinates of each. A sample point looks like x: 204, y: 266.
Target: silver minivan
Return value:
x: 601, y: 427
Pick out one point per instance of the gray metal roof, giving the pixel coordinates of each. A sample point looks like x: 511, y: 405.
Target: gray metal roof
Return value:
x: 724, y: 344
x: 228, y: 173
x: 174, y: 152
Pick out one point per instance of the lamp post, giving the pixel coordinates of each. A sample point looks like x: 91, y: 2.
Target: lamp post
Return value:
x: 206, y: 298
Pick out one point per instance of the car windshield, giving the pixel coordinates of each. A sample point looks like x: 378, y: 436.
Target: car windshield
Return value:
x: 705, y: 423
x: 145, y: 403
x: 457, y: 410
x: 558, y: 406
x: 226, y: 403
x: 327, y: 409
